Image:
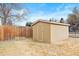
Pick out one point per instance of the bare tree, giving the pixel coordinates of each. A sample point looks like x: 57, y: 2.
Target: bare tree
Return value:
x: 72, y: 19
x: 75, y: 10
x: 6, y: 14
x: 52, y: 20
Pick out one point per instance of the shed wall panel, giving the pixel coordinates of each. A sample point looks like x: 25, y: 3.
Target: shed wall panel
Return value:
x: 59, y: 33
x: 41, y: 32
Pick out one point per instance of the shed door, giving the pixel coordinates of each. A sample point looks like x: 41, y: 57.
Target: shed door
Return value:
x: 40, y: 33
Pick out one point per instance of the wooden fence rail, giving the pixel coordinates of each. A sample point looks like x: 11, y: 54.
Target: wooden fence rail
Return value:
x: 9, y: 32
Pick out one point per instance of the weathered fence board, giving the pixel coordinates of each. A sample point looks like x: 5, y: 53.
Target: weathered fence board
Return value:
x: 9, y: 32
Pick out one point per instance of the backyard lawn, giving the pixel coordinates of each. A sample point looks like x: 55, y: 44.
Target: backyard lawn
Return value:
x: 26, y: 47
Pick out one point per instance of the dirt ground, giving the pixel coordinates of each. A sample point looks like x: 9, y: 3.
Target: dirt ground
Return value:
x: 27, y: 47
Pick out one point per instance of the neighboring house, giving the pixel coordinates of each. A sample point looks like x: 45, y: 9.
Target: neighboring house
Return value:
x: 49, y: 32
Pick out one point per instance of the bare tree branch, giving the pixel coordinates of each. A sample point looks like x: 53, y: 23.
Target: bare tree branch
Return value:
x: 6, y: 14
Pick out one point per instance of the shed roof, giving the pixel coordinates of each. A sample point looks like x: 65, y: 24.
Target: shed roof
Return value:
x: 50, y: 22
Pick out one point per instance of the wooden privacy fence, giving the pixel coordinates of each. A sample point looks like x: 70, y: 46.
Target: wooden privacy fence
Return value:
x: 9, y: 32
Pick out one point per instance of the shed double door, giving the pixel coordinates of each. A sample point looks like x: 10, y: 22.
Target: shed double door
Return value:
x: 43, y: 33
x: 40, y: 33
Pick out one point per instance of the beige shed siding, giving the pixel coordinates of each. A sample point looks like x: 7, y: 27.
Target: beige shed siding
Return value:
x: 34, y: 32
x: 50, y: 32
x: 41, y: 32
x: 58, y: 33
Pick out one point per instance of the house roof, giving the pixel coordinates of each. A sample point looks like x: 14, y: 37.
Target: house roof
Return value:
x: 50, y: 22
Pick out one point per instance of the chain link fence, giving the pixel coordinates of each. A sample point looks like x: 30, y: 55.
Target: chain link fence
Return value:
x: 74, y: 34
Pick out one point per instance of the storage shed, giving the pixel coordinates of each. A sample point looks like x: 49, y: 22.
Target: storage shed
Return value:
x: 49, y: 32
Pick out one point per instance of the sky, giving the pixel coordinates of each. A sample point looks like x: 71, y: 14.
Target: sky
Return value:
x: 46, y: 11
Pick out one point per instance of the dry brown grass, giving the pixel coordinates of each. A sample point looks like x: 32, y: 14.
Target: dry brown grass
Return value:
x: 29, y: 47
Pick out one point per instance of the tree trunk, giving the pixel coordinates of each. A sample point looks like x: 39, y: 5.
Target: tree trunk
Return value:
x: 3, y: 21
